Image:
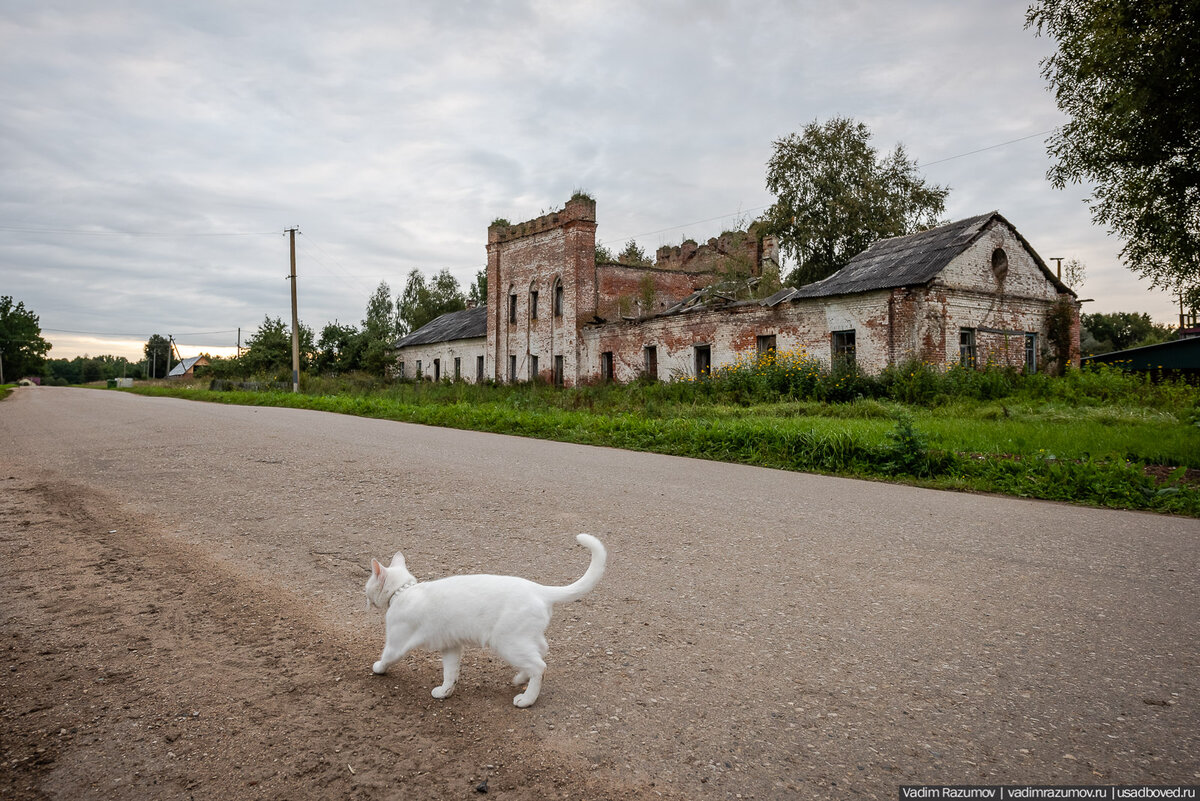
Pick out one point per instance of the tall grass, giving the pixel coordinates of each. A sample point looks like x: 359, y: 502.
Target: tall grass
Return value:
x: 1084, y: 437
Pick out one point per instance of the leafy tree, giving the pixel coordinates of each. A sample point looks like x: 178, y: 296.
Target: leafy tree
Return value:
x: 1104, y: 333
x: 633, y: 254
x: 835, y: 196
x: 83, y: 369
x: 63, y: 371
x: 477, y: 293
x: 222, y: 367
x: 424, y: 301
x: 158, y: 353
x: 269, y: 349
x: 21, y: 345
x: 381, y: 327
x: 1074, y: 273
x: 1126, y: 73
x: 339, y: 349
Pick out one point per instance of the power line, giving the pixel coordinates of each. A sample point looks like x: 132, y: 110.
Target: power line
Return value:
x: 989, y: 147
x: 759, y: 208
x: 336, y: 263
x: 80, y: 232
x: 113, y: 334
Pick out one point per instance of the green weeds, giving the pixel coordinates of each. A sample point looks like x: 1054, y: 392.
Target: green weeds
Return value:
x: 1088, y: 437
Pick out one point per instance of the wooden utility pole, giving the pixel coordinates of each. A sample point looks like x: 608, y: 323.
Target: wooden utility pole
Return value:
x: 295, y: 319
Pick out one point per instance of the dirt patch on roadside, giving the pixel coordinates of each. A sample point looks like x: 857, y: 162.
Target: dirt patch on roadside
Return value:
x: 137, y: 666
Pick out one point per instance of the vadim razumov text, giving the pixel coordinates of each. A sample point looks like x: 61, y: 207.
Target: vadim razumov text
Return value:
x: 935, y: 792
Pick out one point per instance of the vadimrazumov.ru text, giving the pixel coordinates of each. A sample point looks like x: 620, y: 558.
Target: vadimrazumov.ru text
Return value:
x: 1031, y: 792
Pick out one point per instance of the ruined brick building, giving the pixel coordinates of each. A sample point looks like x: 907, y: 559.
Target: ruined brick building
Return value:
x: 972, y: 291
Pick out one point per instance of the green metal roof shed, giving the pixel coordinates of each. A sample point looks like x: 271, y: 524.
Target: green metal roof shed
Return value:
x: 1180, y: 355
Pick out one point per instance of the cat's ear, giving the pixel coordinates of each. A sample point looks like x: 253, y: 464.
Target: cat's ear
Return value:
x: 398, y: 560
x: 376, y: 568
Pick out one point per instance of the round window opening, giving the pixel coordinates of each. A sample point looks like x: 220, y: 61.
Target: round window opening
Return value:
x: 999, y: 263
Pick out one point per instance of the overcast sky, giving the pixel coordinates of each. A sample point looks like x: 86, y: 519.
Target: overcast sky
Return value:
x: 152, y: 153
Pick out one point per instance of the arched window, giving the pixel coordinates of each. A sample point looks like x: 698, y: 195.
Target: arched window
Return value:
x: 558, y: 297
x: 533, y: 300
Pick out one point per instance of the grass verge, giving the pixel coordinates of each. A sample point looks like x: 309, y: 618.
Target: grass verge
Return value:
x: 1035, y: 445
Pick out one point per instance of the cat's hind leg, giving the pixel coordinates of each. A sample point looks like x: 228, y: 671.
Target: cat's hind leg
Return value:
x: 451, y: 659
x: 528, y: 658
x: 532, y: 690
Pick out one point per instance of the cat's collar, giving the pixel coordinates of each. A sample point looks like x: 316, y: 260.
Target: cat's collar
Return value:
x: 406, y: 585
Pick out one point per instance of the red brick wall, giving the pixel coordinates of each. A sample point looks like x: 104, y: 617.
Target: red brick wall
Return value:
x: 535, y: 256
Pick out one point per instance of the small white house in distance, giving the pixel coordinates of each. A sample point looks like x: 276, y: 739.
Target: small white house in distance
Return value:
x: 450, y: 347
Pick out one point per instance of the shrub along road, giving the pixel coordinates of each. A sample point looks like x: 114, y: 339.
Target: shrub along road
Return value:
x: 183, y: 616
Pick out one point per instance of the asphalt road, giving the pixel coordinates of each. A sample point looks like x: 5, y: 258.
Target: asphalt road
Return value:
x: 758, y: 632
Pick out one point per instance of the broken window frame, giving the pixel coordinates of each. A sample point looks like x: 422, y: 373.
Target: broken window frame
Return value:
x: 764, y: 344
x: 968, y: 354
x: 702, y: 359
x: 843, y: 346
x: 1031, y: 365
x: 650, y: 361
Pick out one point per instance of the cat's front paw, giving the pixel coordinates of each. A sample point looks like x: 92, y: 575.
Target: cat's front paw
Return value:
x: 442, y: 692
x: 524, y: 700
x: 379, y: 668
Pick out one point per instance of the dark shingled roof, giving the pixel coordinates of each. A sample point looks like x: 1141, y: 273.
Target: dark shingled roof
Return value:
x: 465, y: 324
x: 911, y: 260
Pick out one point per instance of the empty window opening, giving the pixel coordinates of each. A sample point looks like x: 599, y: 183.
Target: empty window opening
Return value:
x: 533, y: 368
x: 606, y: 365
x: 533, y: 297
x: 651, y: 361
x: 512, y: 308
x: 512, y: 368
x: 478, y: 369
x: 1030, y: 353
x: 764, y: 344
x: 437, y: 369
x: 458, y: 368
x: 999, y: 263
x: 558, y: 298
x: 558, y: 371
x: 703, y: 355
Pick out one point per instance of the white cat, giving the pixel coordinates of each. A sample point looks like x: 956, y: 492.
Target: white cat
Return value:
x: 504, y: 613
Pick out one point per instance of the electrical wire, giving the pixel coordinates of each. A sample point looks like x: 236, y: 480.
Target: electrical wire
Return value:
x: 759, y: 208
x: 113, y: 334
x: 989, y: 147
x: 78, y: 232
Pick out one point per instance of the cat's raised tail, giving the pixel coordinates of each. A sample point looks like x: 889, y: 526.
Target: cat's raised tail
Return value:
x: 580, y: 588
